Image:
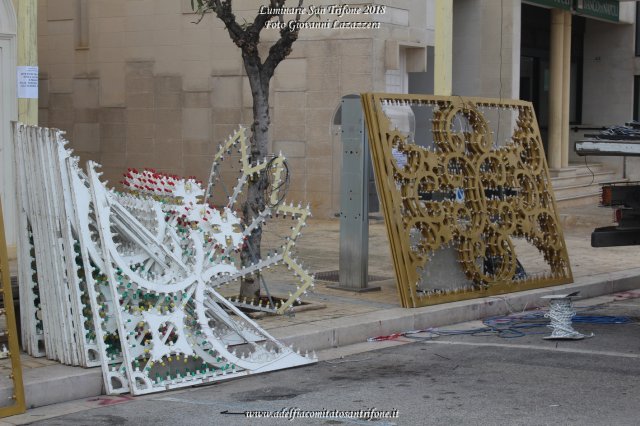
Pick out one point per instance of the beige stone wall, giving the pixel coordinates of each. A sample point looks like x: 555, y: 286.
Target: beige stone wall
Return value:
x: 486, y: 48
x: 152, y: 89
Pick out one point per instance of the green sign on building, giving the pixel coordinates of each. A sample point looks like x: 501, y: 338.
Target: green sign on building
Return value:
x: 557, y: 4
x: 608, y: 10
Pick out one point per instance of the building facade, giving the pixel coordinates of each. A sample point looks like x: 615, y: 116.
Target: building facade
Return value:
x: 136, y: 83
x: 8, y: 113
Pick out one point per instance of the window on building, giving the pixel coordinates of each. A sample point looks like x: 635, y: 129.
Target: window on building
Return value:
x: 397, y: 81
x: 82, y: 24
x: 534, y: 63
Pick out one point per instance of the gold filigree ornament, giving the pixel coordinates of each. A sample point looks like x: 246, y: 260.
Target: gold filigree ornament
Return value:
x: 455, y: 190
x: 9, y: 349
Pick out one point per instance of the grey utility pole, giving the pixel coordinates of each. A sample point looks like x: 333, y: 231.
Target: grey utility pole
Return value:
x: 354, y: 199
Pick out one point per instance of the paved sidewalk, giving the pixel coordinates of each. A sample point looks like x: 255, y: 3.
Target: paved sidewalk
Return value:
x: 319, y: 250
x: 349, y: 318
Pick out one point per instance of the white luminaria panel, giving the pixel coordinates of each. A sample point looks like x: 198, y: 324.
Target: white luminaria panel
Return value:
x: 128, y: 281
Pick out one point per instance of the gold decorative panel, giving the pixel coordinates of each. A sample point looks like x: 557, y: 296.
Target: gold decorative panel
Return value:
x: 10, y: 366
x: 466, y: 195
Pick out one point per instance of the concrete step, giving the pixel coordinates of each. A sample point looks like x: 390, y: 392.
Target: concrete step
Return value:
x: 583, y: 187
x: 582, y: 179
x: 576, y: 191
x: 587, y: 168
x: 56, y: 383
x: 579, y: 200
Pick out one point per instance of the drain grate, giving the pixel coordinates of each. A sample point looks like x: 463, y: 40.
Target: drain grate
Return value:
x: 334, y: 276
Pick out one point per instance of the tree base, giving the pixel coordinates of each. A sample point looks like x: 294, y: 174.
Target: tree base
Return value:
x: 250, y: 288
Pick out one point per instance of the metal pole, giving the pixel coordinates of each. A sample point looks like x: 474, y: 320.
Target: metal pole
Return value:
x: 354, y: 200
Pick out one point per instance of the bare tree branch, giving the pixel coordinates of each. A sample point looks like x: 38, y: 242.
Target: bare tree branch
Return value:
x: 280, y: 50
x: 263, y: 18
x: 247, y: 38
x: 223, y: 11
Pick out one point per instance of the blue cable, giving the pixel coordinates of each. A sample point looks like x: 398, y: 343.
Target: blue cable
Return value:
x: 511, y: 326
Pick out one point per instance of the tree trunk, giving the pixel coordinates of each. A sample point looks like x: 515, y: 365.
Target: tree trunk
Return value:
x: 255, y: 202
x: 247, y: 38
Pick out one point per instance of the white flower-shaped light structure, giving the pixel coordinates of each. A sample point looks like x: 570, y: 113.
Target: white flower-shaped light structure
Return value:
x: 176, y: 329
x: 184, y: 203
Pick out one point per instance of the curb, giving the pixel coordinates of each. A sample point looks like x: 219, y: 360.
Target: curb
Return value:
x: 350, y: 330
x: 58, y: 383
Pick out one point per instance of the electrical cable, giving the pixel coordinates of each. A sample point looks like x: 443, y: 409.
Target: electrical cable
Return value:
x: 593, y: 175
x: 507, y: 327
x: 283, y: 186
x: 630, y: 131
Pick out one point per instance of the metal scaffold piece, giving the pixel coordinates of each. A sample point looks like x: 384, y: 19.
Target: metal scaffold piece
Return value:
x: 133, y: 276
x: 464, y: 190
x: 15, y: 403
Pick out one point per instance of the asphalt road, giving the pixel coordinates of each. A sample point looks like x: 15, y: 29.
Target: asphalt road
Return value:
x: 456, y: 380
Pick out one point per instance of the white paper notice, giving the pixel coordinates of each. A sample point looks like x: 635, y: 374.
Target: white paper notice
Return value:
x: 27, y: 82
